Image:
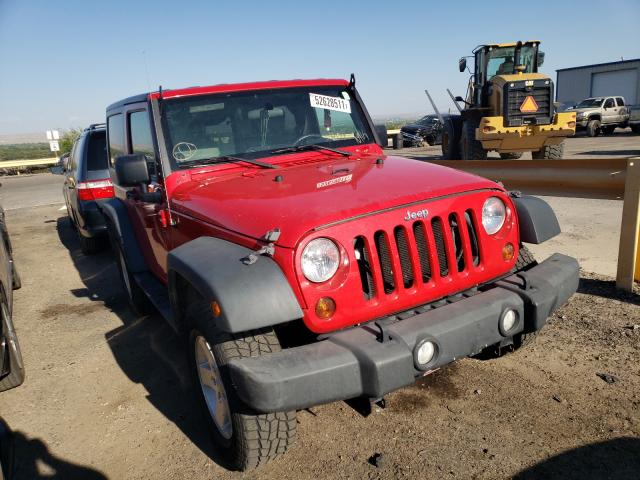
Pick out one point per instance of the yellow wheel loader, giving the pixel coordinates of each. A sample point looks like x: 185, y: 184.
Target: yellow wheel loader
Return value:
x: 509, y: 107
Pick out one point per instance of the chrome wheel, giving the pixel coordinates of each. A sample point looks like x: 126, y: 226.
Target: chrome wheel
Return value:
x: 215, y: 395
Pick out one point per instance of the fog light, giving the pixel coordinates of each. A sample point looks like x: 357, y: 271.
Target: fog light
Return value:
x: 509, y: 320
x: 507, y: 252
x: 425, y: 353
x: 325, y: 308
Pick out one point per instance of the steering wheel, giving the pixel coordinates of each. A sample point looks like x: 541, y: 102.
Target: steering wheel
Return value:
x: 303, y: 139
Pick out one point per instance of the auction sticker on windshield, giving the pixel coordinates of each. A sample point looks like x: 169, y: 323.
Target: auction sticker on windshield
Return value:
x: 330, y: 103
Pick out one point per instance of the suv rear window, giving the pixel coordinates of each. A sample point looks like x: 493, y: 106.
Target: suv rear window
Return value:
x: 97, y: 152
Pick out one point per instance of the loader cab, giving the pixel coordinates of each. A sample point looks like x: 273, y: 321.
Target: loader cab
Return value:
x: 501, y: 59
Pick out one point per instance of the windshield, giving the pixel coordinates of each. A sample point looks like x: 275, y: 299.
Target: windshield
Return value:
x: 428, y: 120
x: 500, y: 60
x: 252, y: 124
x: 590, y: 102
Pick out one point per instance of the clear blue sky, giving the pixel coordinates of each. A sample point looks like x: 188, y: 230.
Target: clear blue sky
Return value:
x: 63, y: 61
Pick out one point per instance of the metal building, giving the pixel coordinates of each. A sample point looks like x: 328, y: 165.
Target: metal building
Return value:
x: 620, y: 78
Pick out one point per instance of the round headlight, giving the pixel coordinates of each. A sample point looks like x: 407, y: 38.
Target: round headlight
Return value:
x: 320, y: 260
x: 493, y: 215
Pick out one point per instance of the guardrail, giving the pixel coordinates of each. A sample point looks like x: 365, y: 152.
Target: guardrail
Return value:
x: 597, y: 178
x: 613, y: 178
x: 28, y: 163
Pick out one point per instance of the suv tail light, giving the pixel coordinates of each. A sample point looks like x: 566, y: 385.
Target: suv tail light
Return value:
x: 95, y: 189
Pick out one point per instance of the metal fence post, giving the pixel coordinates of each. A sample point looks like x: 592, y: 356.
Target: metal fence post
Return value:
x: 628, y: 258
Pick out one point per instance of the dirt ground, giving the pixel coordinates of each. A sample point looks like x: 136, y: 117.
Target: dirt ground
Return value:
x: 106, y: 394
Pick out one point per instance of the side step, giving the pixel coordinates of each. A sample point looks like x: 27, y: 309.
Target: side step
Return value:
x: 157, y: 294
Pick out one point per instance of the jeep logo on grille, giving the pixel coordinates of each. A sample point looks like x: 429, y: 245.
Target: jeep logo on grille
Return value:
x: 415, y: 215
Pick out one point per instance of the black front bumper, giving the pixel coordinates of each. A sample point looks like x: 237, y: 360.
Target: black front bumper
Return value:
x: 362, y: 362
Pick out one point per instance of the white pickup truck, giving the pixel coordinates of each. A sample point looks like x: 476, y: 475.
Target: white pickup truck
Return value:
x: 601, y: 115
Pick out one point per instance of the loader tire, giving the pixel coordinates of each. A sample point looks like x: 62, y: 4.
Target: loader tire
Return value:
x: 451, y: 138
x: 470, y: 148
x: 550, y: 152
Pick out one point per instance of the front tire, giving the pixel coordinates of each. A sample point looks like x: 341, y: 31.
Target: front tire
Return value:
x: 451, y: 138
x: 550, y: 152
x: 525, y: 261
x: 246, y: 438
x: 593, y: 128
x: 470, y: 148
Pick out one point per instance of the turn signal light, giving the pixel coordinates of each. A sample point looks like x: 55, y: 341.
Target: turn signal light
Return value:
x: 325, y: 308
x: 507, y: 252
x: 488, y: 129
x: 215, y: 308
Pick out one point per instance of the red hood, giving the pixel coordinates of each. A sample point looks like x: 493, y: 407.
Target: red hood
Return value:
x: 252, y: 202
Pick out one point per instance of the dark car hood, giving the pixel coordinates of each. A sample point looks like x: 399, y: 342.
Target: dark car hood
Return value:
x: 311, y: 195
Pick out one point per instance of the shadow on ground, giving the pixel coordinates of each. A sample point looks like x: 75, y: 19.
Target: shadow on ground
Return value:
x: 146, y: 349
x: 617, y: 459
x: 606, y: 289
x: 34, y: 460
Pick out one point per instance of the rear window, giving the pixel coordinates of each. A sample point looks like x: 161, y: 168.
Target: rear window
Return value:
x: 620, y: 101
x: 97, y: 158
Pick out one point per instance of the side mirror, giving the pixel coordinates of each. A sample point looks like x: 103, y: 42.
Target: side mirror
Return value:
x: 381, y: 132
x: 459, y: 99
x: 131, y: 170
x: 540, y: 58
x: 462, y: 64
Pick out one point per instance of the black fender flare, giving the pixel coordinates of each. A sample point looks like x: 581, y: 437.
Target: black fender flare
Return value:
x: 119, y: 225
x: 537, y: 220
x: 250, y: 295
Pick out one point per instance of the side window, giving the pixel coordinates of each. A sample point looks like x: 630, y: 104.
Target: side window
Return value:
x: 115, y: 129
x: 76, y: 150
x: 620, y: 101
x: 140, y: 134
x: 609, y: 103
x: 71, y: 164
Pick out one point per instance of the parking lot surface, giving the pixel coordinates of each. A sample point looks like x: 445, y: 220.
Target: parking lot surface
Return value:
x: 107, y: 396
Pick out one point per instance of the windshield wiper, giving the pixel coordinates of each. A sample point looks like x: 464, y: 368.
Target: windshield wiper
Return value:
x: 313, y: 146
x: 226, y: 159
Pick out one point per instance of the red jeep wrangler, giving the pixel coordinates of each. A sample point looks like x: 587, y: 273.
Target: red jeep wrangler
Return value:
x: 304, y: 265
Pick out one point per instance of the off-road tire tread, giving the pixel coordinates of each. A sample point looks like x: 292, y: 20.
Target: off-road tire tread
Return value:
x: 474, y: 150
x: 261, y: 437
x: 525, y: 259
x: 550, y: 152
x: 453, y: 125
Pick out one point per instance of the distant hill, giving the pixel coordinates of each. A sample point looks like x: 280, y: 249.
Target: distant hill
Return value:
x: 36, y: 137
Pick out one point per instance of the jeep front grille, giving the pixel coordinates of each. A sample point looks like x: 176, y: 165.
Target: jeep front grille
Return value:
x: 515, y: 94
x: 414, y: 254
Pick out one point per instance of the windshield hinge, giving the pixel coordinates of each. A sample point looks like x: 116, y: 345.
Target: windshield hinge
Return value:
x: 252, y: 258
x: 271, y: 236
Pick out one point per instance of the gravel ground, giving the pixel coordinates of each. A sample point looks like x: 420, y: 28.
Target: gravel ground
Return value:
x: 623, y: 143
x: 106, y: 394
